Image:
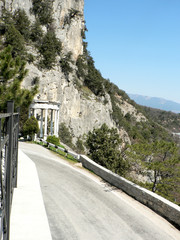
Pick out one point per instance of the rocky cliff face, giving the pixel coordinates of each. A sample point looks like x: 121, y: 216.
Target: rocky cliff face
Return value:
x: 67, y: 24
x: 81, y: 110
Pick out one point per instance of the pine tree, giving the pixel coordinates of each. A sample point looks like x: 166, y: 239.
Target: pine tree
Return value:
x: 12, y: 73
x: 43, y: 10
x: 15, y: 39
x: 22, y: 23
x: 104, y: 144
x: 36, y: 32
x: 160, y: 161
x: 50, y: 47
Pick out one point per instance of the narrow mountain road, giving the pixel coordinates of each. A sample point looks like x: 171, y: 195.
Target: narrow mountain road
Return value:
x: 81, y: 206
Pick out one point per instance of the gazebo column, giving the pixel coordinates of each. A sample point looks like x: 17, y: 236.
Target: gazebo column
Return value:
x: 34, y: 114
x: 51, y: 122
x: 45, y: 127
x: 41, y: 126
x: 29, y: 112
x: 55, y: 122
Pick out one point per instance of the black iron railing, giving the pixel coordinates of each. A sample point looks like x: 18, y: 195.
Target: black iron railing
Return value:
x: 9, y: 130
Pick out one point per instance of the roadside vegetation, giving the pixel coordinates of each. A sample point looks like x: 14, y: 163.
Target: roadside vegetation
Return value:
x: 63, y: 154
x: 157, y: 162
x: 104, y: 148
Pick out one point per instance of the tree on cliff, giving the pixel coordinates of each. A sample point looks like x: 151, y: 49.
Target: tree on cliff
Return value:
x: 104, y: 144
x: 160, y: 161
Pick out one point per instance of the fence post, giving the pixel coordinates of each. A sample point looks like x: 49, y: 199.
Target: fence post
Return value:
x: 16, y: 145
x: 10, y: 109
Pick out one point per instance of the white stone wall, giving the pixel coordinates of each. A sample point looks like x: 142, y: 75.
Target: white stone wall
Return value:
x: 160, y: 205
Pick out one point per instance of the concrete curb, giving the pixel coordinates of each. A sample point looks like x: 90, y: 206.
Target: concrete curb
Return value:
x: 160, y: 205
x: 28, y: 215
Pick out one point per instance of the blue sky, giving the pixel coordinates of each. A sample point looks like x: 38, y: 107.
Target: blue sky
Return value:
x: 136, y: 44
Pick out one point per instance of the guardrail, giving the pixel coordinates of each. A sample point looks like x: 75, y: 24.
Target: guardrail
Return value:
x: 9, y: 130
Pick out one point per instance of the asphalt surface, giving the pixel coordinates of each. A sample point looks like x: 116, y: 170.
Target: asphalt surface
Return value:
x: 80, y: 206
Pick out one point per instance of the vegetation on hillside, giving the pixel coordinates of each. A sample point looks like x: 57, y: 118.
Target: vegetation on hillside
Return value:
x: 166, y: 119
x: 104, y: 148
x: 159, y: 161
x: 18, y: 32
x: 49, y: 48
x: 138, y: 131
x: 65, y: 134
x: 13, y: 57
x: 12, y: 73
x: 42, y: 9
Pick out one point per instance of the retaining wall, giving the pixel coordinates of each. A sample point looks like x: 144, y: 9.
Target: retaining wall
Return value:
x: 160, y: 205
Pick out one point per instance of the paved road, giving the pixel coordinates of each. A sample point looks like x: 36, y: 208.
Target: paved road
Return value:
x: 80, y: 206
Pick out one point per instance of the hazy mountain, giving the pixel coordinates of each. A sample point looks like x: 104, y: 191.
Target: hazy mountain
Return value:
x: 156, y: 102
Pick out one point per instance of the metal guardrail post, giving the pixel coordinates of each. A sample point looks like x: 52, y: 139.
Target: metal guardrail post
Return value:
x: 10, y: 109
x: 16, y: 147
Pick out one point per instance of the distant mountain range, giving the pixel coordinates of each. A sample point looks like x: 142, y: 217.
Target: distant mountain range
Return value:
x: 155, y: 102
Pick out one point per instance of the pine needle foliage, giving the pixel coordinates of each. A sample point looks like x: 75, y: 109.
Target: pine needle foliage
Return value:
x: 15, y: 39
x: 12, y: 73
x: 65, y: 135
x: 36, y: 32
x: 49, y: 48
x: 104, y: 148
x: 22, y: 23
x: 42, y: 9
x: 160, y: 161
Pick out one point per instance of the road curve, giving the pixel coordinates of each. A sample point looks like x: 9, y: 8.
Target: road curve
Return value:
x: 80, y: 206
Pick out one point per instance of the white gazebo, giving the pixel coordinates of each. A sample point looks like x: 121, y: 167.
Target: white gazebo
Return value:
x: 41, y: 110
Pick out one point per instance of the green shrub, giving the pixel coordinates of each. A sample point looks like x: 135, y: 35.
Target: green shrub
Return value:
x: 36, y: 32
x: 104, y: 144
x: 94, y: 80
x: 31, y: 127
x: 79, y: 146
x: 30, y: 58
x: 43, y: 10
x: 53, y: 139
x: 72, y: 14
x: 22, y: 23
x: 50, y: 47
x: 65, y: 64
x: 83, y: 32
x: 15, y: 39
x: 81, y: 67
x: 65, y: 134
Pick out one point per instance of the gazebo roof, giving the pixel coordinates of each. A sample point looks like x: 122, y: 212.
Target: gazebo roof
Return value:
x: 42, y: 104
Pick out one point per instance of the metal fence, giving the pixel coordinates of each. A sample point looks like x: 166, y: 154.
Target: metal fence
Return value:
x: 9, y: 130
